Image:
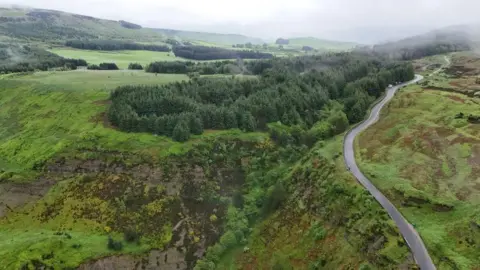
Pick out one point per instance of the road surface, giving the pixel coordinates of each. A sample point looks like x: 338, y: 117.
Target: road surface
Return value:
x: 410, y: 235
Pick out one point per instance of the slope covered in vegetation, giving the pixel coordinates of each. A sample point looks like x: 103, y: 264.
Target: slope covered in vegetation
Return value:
x: 21, y: 58
x: 432, y: 43
x: 57, y: 26
x: 96, y: 191
x: 424, y: 155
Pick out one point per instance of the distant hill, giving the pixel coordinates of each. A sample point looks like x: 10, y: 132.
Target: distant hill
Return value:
x: 449, y: 39
x: 214, y: 38
x: 321, y: 44
x: 50, y: 26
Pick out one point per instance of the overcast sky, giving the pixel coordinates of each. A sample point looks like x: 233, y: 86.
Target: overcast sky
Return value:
x: 356, y: 20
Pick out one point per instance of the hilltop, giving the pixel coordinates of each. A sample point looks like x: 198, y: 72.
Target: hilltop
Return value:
x: 50, y: 26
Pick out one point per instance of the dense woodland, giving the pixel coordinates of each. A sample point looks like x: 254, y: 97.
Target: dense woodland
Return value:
x: 297, y: 92
x: 20, y: 58
x: 203, y: 68
x: 214, y: 53
x: 114, y: 45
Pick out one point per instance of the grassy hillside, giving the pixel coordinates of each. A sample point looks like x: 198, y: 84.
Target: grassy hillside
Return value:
x: 321, y: 44
x: 424, y: 157
x: 82, y: 182
x: 55, y: 26
x: 212, y: 38
x: 329, y: 222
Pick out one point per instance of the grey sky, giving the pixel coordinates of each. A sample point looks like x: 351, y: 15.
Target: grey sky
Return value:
x: 358, y: 20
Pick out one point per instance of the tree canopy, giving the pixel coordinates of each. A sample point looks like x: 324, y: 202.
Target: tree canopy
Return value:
x: 114, y: 45
x: 213, y: 53
x: 289, y: 91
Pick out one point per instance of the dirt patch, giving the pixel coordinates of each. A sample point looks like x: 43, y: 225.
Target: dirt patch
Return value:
x: 461, y: 139
x: 13, y: 195
x: 455, y: 98
x: 103, y: 102
x: 474, y: 162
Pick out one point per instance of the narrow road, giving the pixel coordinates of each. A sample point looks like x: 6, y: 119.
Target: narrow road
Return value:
x: 408, y: 232
x: 410, y: 235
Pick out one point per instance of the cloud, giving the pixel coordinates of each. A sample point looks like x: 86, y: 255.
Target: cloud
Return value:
x: 272, y: 18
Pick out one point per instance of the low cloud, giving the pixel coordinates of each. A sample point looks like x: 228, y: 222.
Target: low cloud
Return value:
x: 359, y: 20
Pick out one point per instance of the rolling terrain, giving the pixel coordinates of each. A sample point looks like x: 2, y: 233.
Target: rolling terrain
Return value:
x: 423, y: 157
x: 238, y: 164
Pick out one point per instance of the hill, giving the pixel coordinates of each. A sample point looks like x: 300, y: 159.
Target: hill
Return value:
x: 215, y: 38
x: 450, y: 39
x: 51, y: 26
x: 321, y: 44
x: 22, y: 58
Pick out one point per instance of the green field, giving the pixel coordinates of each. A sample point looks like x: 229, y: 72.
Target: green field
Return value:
x: 121, y: 58
x: 83, y: 79
x: 427, y: 161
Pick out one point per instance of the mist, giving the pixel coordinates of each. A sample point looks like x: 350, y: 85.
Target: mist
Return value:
x: 365, y: 21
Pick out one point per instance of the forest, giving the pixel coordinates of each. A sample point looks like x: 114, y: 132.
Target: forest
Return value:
x: 214, y: 53
x: 114, y: 45
x: 21, y: 58
x: 290, y: 91
x: 203, y: 68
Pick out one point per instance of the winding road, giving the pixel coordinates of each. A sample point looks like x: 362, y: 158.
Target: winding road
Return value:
x: 408, y: 232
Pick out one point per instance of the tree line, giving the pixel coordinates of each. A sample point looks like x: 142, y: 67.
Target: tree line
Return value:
x: 286, y: 93
x: 129, y: 25
x: 214, y: 53
x: 20, y: 58
x: 203, y: 68
x: 114, y: 45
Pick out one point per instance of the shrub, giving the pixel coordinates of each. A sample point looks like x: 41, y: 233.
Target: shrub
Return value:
x: 131, y: 236
x: 114, y: 245
x: 135, y: 66
x: 103, y: 66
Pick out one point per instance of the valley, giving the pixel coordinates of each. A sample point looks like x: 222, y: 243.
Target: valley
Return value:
x: 129, y: 147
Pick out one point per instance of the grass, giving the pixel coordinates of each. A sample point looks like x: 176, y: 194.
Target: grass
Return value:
x: 426, y: 161
x: 121, y: 58
x: 82, y: 79
x: 426, y: 65
x: 45, y: 113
